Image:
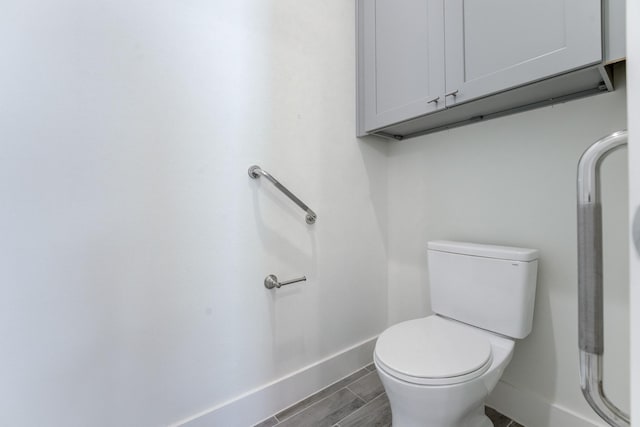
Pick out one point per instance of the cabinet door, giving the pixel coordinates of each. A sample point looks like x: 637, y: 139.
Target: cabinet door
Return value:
x: 401, y: 59
x: 494, y: 45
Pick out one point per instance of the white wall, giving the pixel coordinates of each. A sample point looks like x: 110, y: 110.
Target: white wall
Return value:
x: 133, y: 243
x: 512, y: 181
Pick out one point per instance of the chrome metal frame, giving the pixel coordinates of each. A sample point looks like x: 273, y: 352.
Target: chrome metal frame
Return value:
x: 590, y: 303
x: 256, y: 171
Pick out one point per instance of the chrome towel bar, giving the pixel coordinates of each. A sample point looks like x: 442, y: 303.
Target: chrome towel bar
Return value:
x: 256, y: 171
x: 590, y: 293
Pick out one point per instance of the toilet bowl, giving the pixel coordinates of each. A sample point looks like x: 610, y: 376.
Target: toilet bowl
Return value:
x: 443, y: 374
x: 438, y: 370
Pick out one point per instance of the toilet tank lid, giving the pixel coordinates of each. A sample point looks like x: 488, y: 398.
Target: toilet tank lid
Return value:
x: 487, y: 251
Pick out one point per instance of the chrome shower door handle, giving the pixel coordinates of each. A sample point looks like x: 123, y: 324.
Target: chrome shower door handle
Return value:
x: 590, y: 292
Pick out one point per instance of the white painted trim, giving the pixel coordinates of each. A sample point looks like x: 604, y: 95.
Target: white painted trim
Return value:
x: 532, y: 410
x: 264, y: 401
x: 633, y: 100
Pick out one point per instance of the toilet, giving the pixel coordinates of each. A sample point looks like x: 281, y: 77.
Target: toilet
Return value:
x: 438, y: 370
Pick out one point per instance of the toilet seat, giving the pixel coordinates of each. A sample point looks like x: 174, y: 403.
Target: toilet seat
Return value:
x: 433, y: 351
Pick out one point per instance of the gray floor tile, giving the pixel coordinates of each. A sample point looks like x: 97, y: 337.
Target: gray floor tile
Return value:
x: 376, y: 413
x: 368, y: 387
x: 355, y: 401
x: 300, y: 406
x: 496, y: 417
x: 326, y: 412
x: 269, y: 422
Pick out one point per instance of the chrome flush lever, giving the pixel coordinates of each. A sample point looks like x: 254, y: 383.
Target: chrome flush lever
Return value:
x: 271, y: 281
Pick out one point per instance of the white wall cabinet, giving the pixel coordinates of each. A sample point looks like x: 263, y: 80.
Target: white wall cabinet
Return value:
x: 425, y: 65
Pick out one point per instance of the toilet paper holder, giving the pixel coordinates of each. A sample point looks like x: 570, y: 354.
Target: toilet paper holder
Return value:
x: 271, y: 281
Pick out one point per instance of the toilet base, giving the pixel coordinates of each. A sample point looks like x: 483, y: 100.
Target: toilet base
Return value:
x: 458, y: 405
x: 476, y: 418
x: 487, y: 422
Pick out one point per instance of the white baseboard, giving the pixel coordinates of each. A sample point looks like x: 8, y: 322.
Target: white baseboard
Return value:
x: 531, y: 410
x: 262, y: 402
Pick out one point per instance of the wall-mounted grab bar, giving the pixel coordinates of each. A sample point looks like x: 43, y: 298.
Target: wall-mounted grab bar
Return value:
x: 590, y: 304
x: 255, y: 172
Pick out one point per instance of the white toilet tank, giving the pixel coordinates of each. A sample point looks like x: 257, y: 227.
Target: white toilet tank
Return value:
x: 491, y: 287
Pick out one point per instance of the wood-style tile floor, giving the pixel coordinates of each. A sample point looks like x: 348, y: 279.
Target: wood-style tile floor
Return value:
x: 358, y: 400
